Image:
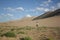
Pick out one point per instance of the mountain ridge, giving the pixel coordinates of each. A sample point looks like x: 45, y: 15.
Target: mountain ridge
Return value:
x: 48, y: 14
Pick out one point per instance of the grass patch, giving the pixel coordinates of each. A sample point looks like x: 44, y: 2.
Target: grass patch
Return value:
x: 9, y: 34
x: 22, y: 28
x: 25, y: 28
x: 29, y: 28
x: 21, y: 32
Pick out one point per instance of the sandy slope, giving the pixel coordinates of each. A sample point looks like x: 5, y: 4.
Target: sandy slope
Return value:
x: 50, y: 22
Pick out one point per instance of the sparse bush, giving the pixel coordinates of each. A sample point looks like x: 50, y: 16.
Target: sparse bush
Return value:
x: 9, y: 34
x: 22, y: 28
x: 1, y: 30
x: 12, y: 29
x: 21, y: 32
x: 28, y: 28
x: 26, y: 38
x: 44, y: 37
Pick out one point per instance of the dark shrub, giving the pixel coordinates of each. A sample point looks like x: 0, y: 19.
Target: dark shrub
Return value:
x: 12, y: 29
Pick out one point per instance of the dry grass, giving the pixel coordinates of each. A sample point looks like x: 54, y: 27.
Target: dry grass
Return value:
x: 36, y: 33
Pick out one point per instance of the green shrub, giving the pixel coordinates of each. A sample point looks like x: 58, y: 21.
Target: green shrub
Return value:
x: 26, y: 38
x: 9, y: 34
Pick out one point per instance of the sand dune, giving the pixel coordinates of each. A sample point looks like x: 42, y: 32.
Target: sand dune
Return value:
x: 50, y: 19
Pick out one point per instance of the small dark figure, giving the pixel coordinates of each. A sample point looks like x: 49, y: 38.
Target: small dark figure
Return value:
x: 37, y: 24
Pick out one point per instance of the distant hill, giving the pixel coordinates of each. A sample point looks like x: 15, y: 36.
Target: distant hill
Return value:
x: 48, y: 14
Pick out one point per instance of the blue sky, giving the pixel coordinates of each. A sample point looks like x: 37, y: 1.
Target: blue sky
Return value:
x: 17, y: 9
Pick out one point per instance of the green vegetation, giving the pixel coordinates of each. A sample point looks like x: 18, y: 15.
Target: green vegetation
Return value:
x: 21, y: 32
x: 26, y: 38
x: 25, y: 28
x: 9, y: 34
x: 29, y: 28
x: 22, y: 28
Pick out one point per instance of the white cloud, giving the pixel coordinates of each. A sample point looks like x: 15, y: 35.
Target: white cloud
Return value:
x: 9, y: 9
x: 14, y: 9
x: 46, y: 10
x: 52, y: 8
x: 39, y: 8
x: 30, y: 10
x: 20, y: 8
x: 49, y: 0
x: 28, y: 15
x: 6, y: 15
x: 9, y: 15
x: 42, y: 9
x: 2, y: 15
x: 46, y: 3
